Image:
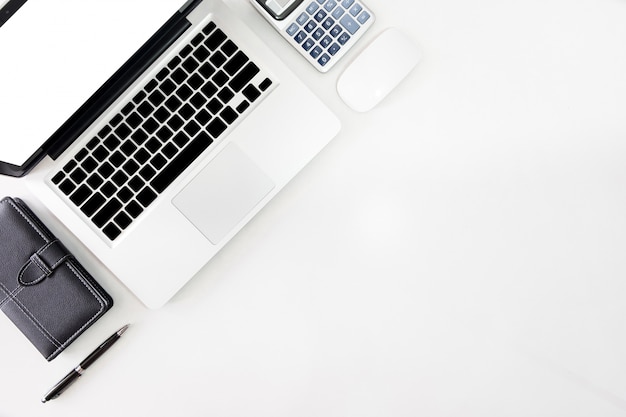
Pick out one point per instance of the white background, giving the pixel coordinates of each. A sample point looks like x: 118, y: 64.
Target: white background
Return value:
x: 457, y: 251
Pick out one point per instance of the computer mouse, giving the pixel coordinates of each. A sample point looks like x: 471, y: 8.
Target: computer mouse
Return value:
x: 377, y: 70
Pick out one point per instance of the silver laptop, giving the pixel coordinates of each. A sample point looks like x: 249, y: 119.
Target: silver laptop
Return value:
x: 154, y: 138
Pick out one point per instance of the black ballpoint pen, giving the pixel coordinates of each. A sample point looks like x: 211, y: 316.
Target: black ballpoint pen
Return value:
x: 75, y: 373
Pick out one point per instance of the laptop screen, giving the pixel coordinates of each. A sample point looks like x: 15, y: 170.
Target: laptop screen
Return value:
x: 54, y: 54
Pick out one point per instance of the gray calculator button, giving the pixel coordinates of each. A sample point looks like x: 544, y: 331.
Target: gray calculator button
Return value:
x: 363, y: 17
x: 302, y: 19
x: 338, y: 12
x: 330, y: 5
x: 312, y: 8
x: 347, y: 3
x: 292, y: 29
x: 356, y: 9
x: 349, y: 24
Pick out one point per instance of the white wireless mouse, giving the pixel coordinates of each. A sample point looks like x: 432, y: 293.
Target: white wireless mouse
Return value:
x: 377, y: 70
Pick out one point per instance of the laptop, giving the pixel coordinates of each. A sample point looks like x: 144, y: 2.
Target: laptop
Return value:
x: 154, y: 138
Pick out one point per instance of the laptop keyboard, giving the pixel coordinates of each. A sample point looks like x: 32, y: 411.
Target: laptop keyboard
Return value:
x: 178, y: 114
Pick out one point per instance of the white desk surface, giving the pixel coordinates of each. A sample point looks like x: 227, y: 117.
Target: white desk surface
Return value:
x: 458, y: 251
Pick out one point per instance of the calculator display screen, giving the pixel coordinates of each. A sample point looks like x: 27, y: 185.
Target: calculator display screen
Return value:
x: 279, y: 9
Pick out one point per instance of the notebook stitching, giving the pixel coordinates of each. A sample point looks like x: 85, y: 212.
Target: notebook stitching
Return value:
x: 45, y: 332
x: 10, y: 295
x: 34, y: 320
x: 88, y: 321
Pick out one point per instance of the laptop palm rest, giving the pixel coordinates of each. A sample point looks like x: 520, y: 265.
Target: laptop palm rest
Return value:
x: 223, y: 193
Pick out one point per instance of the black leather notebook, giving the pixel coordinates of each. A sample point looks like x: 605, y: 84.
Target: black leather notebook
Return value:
x: 43, y: 289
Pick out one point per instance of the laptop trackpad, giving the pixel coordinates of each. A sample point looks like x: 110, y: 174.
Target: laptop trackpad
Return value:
x: 223, y: 193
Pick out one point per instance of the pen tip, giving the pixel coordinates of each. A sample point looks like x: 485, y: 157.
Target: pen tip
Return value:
x: 122, y: 330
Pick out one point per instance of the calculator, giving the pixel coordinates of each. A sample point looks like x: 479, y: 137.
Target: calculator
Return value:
x: 321, y: 30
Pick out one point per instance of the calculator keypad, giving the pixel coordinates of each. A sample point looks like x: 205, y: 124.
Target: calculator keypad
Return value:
x: 323, y: 30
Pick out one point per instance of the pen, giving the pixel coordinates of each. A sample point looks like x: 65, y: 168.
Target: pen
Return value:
x: 75, y: 373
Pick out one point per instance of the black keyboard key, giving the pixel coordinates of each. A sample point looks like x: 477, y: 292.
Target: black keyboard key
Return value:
x: 95, y: 181
x: 251, y: 93
x: 220, y: 78
x: 229, y: 115
x: 134, y: 209
x: 119, y: 178
x: 69, y: 166
x: 58, y: 178
x: 209, y: 89
x: 124, y: 194
x: 122, y: 220
x: 93, y: 204
x: 169, y: 150
x: 215, y: 39
x: 189, y: 154
x: 145, y: 109
x: 89, y: 164
x: 190, y: 64
x: 235, y: 63
x: 139, y: 136
x: 78, y: 175
x: 134, y: 120
x: 201, y: 54
x: 265, y: 84
x: 111, y: 231
x: 108, y: 189
x: 136, y: 183
x: 67, y: 187
x: 158, y: 161
x: 206, y: 70
x: 117, y: 159
x: 162, y: 114
x: 146, y: 196
x: 216, y: 127
x: 106, y: 170
x: 150, y: 125
x: 147, y: 173
x: 183, y: 93
x: 82, y: 154
x: 122, y: 131
x: 175, y: 122
x: 91, y: 145
x: 229, y: 47
x: 208, y: 28
x: 243, y: 106
x: 80, y: 195
x: 142, y: 156
x: 218, y: 59
x: 181, y: 139
x: 107, y: 212
x: 128, y: 148
x: 104, y: 132
x: 225, y: 94
x: 240, y: 80
x: 192, y: 128
x: 215, y: 106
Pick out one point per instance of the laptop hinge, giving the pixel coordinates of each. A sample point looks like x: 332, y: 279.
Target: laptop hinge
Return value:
x: 119, y: 82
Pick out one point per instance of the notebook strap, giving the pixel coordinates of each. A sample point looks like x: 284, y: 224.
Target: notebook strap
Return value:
x: 42, y: 263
